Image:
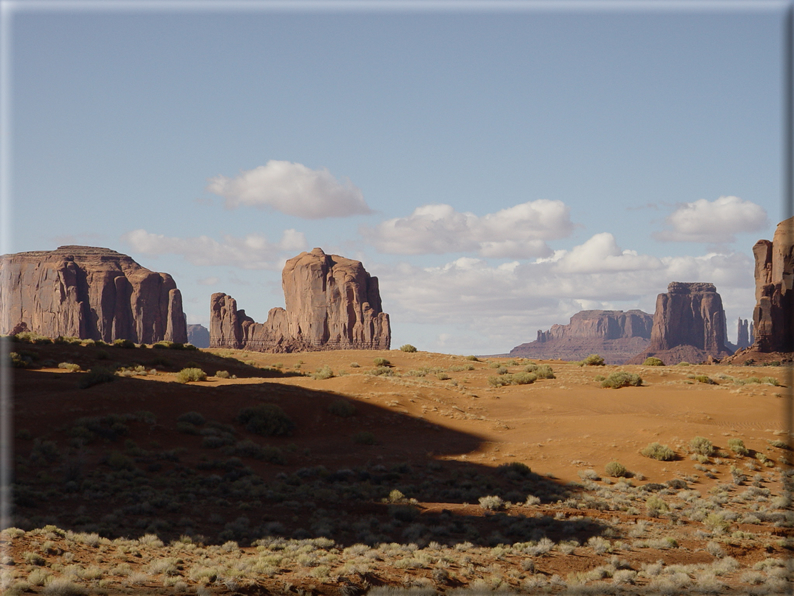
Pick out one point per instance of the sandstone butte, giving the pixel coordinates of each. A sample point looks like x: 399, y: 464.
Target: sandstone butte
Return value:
x: 332, y: 303
x: 198, y: 335
x: 688, y: 325
x: 90, y: 293
x: 773, y: 317
x: 613, y: 334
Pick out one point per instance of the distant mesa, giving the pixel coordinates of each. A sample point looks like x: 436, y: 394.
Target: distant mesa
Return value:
x: 688, y: 325
x: 613, y: 334
x: 90, y: 293
x: 332, y: 304
x: 198, y: 335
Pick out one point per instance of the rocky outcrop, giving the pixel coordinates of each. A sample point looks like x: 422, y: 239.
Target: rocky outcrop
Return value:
x: 613, y: 334
x: 743, y: 334
x: 688, y: 325
x: 90, y: 293
x: 198, y: 335
x: 773, y: 316
x: 332, y: 303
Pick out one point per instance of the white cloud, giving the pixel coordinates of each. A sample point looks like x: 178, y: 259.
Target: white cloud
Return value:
x: 253, y: 251
x: 713, y: 222
x: 499, y: 307
x: 208, y: 281
x: 516, y: 232
x: 291, y: 188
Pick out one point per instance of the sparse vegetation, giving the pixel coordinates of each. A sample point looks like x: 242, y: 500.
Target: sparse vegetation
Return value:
x: 616, y: 470
x: 702, y: 446
x: 381, y: 362
x: 96, y: 376
x: 616, y: 380
x: 593, y: 360
x: 323, y: 373
x: 653, y: 361
x: 191, y: 375
x: 541, y: 371
x: 408, y: 348
x: 659, y: 452
x: 70, y: 366
x: 737, y: 446
x: 267, y: 420
x: 342, y: 408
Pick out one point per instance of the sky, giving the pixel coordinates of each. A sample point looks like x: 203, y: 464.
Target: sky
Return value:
x: 498, y: 170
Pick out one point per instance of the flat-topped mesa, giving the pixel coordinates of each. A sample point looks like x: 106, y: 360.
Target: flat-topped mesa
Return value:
x: 773, y: 317
x: 613, y: 334
x: 688, y: 325
x: 91, y: 293
x: 332, y: 303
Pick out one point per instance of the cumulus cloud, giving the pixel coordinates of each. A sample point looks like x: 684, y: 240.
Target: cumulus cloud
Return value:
x: 516, y: 232
x: 291, y: 188
x: 253, y: 251
x: 499, y: 307
x: 713, y: 222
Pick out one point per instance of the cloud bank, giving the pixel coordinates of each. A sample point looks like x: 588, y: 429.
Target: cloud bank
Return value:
x: 293, y: 189
x: 713, y: 222
x: 516, y: 232
x: 253, y: 251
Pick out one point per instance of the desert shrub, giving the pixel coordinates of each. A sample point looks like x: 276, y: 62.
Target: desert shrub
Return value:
x: 616, y: 470
x: 266, y: 420
x: 599, y: 378
x: 323, y: 373
x: 342, y: 408
x: 95, y: 376
x: 364, y: 438
x: 124, y: 343
x: 248, y: 448
x: 656, y: 505
x: 770, y: 381
x: 381, y: 371
x: 222, y: 374
x: 777, y: 443
x: 659, y: 452
x: 192, y: 417
x: 70, y: 366
x: 499, y: 381
x: 408, y: 348
x: 515, y: 467
x: 355, y: 365
x: 523, y: 378
x: 683, y: 364
x: 653, y: 361
x: 737, y: 446
x: 542, y: 371
x: 19, y: 360
x: 119, y: 461
x: 593, y: 360
x: 473, y: 358
x: 30, y: 337
x: 443, y: 376
x: 704, y: 379
x: 190, y: 375
x: 215, y: 442
x: 622, y: 379
x: 381, y: 362
x: 492, y: 503
x: 702, y: 446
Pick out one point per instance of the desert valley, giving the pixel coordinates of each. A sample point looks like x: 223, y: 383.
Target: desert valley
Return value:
x: 302, y: 455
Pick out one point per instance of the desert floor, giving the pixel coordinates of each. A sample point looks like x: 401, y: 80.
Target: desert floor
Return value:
x: 421, y: 476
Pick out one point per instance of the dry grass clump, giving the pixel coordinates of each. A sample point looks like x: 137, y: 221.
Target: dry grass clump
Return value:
x: 659, y: 452
x: 622, y: 379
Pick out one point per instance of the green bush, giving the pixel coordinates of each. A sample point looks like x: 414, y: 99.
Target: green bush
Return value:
x: 616, y: 470
x: 222, y: 374
x: 342, y: 408
x: 702, y: 446
x: 95, y: 376
x: 653, y: 361
x: 364, y: 438
x: 19, y: 360
x: 473, y: 358
x: 541, y: 371
x: 124, y: 343
x: 266, y: 420
x: 323, y: 373
x: 381, y: 362
x: 594, y: 360
x: 737, y: 446
x: 659, y: 452
x: 622, y: 379
x: 190, y: 375
x: 523, y: 378
x: 408, y: 348
x: 30, y: 337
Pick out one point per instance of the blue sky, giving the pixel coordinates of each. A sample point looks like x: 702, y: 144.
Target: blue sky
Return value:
x: 497, y: 170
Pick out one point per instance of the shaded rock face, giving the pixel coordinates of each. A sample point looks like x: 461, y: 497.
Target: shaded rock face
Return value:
x: 332, y: 303
x: 743, y: 335
x: 90, y: 293
x: 198, y: 335
x: 613, y: 334
x: 688, y: 325
x: 773, y: 317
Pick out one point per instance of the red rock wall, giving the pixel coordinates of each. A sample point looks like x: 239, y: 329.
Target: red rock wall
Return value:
x: 773, y: 316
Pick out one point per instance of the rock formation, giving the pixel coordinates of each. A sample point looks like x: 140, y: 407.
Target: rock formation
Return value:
x: 688, y: 325
x: 773, y: 316
x: 332, y: 303
x: 613, y: 334
x: 90, y: 293
x: 743, y: 335
x: 198, y: 335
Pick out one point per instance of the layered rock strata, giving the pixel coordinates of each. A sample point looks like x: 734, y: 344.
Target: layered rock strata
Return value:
x: 90, y: 293
x: 613, y: 334
x: 688, y: 325
x: 773, y: 317
x: 332, y: 303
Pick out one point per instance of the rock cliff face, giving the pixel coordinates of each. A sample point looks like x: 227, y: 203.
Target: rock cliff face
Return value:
x: 332, y: 304
x: 198, y: 335
x: 613, y: 334
x: 773, y: 317
x: 90, y: 293
x: 688, y: 325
